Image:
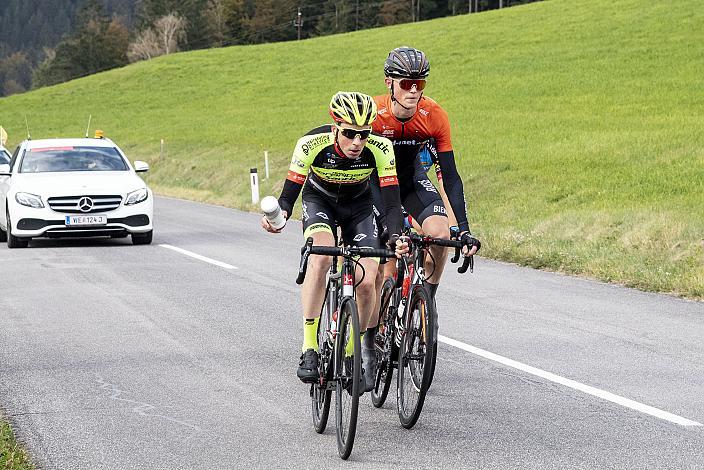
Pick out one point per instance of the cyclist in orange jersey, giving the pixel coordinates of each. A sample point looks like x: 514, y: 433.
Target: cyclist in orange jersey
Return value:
x: 411, y: 121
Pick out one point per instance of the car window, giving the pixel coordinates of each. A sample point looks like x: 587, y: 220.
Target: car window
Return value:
x: 4, y: 157
x: 58, y: 159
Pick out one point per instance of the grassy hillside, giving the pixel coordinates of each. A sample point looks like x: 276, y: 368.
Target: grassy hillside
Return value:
x: 577, y: 125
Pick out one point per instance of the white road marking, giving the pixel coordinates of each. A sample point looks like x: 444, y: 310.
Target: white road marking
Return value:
x: 199, y: 257
x: 619, y: 400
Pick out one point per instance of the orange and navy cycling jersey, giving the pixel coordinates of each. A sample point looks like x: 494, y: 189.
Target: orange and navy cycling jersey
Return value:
x: 430, y: 122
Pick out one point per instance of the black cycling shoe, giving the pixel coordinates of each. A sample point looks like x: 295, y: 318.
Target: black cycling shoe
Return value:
x: 308, y: 367
x: 347, y: 383
x: 369, y: 369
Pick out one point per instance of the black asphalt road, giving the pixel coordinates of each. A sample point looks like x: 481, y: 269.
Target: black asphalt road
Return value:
x: 115, y: 356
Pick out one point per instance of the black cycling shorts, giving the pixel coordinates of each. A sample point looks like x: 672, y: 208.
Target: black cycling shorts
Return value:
x: 419, y: 198
x: 355, y: 217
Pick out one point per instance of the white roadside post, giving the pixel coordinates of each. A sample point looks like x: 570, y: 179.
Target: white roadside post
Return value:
x: 254, y: 179
x: 266, y: 163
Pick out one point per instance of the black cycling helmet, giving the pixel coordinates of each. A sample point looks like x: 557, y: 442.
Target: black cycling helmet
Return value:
x: 406, y: 62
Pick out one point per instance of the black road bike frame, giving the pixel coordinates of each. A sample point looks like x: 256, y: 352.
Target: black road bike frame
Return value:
x: 339, y: 323
x: 406, y: 335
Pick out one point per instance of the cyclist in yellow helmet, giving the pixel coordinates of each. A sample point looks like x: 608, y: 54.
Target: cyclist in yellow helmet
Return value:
x: 332, y: 164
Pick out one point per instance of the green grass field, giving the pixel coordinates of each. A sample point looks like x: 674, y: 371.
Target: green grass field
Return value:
x: 12, y: 456
x: 578, y: 126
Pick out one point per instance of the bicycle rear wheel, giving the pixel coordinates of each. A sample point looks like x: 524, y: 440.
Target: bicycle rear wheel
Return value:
x: 348, y: 373
x: 383, y: 345
x: 319, y: 392
x: 415, y: 357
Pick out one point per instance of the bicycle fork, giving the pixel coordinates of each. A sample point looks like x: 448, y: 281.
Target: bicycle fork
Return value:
x: 414, y: 278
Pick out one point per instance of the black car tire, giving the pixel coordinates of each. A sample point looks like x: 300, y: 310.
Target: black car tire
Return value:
x: 13, y: 241
x: 142, y: 238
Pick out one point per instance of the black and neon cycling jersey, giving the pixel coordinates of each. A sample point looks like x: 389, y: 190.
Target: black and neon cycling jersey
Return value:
x: 318, y: 162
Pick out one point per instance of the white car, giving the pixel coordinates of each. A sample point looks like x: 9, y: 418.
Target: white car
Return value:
x: 73, y: 188
x: 4, y: 155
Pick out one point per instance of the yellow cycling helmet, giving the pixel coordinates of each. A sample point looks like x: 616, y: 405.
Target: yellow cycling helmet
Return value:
x: 353, y: 108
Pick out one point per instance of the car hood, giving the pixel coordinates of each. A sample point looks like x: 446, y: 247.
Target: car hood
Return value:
x: 77, y: 183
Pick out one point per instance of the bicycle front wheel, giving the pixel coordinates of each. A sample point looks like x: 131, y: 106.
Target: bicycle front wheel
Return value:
x: 415, y: 357
x: 319, y: 393
x: 383, y: 345
x: 348, y: 370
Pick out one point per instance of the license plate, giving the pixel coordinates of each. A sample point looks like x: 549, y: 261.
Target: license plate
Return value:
x: 86, y: 219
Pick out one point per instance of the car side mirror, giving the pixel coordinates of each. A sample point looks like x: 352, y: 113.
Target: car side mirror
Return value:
x: 140, y: 166
x: 5, y: 170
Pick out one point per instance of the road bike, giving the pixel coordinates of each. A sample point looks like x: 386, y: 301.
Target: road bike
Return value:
x: 338, y: 325
x: 406, y: 338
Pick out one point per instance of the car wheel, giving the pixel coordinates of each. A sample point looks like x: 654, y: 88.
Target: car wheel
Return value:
x: 142, y: 238
x: 13, y: 241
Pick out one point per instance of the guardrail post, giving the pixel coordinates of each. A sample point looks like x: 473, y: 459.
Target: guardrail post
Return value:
x: 266, y: 163
x: 254, y: 179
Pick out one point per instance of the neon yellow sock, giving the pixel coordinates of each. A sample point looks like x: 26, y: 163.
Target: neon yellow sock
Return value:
x: 349, y: 347
x: 310, y: 334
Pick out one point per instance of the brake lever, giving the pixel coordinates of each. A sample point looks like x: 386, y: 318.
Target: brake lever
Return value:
x: 305, y: 253
x: 456, y: 257
x: 468, y: 262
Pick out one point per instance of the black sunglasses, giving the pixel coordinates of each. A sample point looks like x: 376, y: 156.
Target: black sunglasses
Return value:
x: 352, y: 133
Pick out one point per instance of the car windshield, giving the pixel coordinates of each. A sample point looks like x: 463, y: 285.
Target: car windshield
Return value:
x: 4, y: 157
x: 55, y: 159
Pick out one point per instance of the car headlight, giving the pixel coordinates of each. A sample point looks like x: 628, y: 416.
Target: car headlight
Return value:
x: 135, y: 197
x: 29, y: 200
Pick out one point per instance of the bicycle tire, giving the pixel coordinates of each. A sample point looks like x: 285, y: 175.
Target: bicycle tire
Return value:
x: 415, y: 358
x: 347, y: 389
x: 383, y: 345
x: 436, y: 325
x: 435, y: 360
x: 320, y: 394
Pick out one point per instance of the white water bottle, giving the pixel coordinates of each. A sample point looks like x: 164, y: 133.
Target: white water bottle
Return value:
x: 398, y: 321
x: 272, y: 211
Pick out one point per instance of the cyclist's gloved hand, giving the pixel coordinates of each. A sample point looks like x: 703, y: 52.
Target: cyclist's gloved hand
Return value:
x: 470, y: 245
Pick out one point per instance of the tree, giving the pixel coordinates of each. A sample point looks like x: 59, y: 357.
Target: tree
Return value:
x: 272, y: 21
x: 394, y: 13
x: 162, y: 38
x: 144, y: 47
x: 15, y: 74
x: 170, y: 29
x: 99, y: 44
x: 193, y: 11
x: 216, y: 20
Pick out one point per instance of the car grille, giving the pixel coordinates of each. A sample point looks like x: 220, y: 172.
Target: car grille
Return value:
x: 84, y: 204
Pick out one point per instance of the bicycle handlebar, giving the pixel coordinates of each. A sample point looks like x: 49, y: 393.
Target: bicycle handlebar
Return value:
x: 423, y: 240
x: 344, y: 251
